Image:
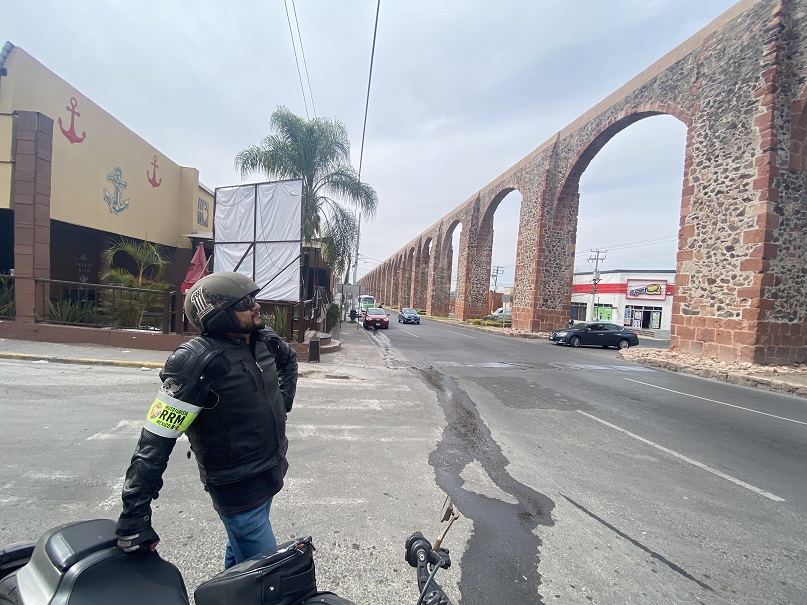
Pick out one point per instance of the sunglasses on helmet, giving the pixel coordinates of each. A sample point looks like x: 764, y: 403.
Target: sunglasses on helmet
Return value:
x: 244, y: 304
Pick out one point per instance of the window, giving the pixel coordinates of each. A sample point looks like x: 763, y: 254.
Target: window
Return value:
x: 648, y: 318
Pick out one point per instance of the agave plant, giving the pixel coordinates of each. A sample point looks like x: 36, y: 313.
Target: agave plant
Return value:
x: 276, y: 320
x: 6, y: 298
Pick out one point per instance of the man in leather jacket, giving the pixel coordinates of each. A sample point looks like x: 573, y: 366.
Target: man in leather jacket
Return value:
x: 229, y: 390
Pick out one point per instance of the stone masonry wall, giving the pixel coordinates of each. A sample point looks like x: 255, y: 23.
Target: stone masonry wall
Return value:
x: 741, y: 283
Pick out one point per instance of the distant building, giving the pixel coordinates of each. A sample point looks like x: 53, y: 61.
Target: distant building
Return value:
x: 636, y: 298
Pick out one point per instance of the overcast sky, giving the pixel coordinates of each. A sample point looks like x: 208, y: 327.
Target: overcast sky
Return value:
x: 461, y: 91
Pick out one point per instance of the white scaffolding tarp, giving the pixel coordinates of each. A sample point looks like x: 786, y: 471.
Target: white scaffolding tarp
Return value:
x: 259, y: 226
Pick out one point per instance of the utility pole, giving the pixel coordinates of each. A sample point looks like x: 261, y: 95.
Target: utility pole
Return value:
x: 596, y: 277
x: 497, y: 271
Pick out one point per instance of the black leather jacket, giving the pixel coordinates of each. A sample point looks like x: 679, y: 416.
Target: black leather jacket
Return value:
x: 240, y: 402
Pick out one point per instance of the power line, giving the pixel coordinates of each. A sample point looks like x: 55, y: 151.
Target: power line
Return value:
x: 305, y: 63
x: 296, y: 61
x: 637, y: 244
x: 363, y: 132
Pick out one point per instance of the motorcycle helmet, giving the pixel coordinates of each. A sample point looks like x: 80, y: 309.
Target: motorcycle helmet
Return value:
x: 208, y: 302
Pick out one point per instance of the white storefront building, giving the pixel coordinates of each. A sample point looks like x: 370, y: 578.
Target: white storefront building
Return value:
x: 639, y: 299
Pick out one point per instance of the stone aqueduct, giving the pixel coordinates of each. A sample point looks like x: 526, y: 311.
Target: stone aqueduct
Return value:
x: 741, y: 277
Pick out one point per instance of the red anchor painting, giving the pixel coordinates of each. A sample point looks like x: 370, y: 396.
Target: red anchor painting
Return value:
x: 71, y: 133
x: 153, y: 178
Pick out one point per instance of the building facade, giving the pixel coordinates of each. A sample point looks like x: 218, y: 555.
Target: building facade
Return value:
x: 638, y: 299
x: 73, y: 178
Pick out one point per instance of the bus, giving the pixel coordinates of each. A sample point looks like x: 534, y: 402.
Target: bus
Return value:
x: 366, y: 302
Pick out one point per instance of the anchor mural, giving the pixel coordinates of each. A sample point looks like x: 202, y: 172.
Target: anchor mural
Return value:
x: 153, y: 178
x: 71, y: 132
x: 116, y: 204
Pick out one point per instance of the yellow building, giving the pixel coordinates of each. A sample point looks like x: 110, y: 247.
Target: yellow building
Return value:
x: 73, y: 179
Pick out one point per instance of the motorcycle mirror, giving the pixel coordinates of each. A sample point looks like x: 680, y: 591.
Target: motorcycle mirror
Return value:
x: 449, y: 515
x: 448, y: 509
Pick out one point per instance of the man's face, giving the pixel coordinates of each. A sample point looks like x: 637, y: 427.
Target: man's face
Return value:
x: 251, y: 318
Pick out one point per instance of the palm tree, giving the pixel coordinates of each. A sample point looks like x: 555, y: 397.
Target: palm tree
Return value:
x: 151, y: 266
x: 318, y: 152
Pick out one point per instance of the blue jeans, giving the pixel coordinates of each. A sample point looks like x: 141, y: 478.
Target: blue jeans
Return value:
x: 248, y: 534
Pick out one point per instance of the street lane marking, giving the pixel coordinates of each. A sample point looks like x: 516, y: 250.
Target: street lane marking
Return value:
x: 461, y: 334
x: 731, y: 405
x: 700, y: 465
x: 125, y: 428
x: 408, y: 332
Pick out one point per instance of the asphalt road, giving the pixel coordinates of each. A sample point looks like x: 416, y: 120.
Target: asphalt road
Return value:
x: 359, y: 480
x: 580, y: 478
x: 626, y: 484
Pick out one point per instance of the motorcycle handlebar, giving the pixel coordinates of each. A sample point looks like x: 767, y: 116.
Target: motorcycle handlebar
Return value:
x: 427, y: 560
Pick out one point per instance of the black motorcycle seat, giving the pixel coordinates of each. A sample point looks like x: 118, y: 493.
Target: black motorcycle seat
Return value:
x: 74, y: 542
x: 80, y: 564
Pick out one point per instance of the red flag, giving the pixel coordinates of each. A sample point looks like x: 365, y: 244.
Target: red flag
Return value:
x: 197, y: 270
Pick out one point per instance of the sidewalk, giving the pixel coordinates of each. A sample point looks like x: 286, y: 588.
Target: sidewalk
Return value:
x: 357, y: 352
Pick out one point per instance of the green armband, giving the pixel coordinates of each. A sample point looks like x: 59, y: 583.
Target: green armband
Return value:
x: 169, y: 417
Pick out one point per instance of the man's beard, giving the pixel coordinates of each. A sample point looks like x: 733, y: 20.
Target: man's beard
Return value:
x: 247, y: 325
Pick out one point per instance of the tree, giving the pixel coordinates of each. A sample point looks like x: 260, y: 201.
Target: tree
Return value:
x: 150, y: 268
x: 318, y: 152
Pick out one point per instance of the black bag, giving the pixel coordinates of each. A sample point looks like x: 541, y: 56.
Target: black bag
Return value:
x: 284, y: 577
x: 326, y: 598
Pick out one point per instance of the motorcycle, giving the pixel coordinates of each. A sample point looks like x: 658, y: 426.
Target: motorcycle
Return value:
x: 80, y: 564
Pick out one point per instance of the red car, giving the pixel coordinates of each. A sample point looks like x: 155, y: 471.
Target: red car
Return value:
x: 376, y: 318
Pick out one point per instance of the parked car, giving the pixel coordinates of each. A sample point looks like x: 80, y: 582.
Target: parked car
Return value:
x: 597, y: 334
x: 376, y: 318
x: 408, y: 316
x: 501, y: 314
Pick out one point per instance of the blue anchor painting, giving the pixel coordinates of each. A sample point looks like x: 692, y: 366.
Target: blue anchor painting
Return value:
x: 116, y: 204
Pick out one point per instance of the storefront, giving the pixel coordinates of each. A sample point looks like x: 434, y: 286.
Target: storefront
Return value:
x: 73, y: 178
x: 639, y: 299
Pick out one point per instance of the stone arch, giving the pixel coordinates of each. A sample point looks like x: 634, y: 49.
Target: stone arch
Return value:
x: 447, y: 252
x: 407, y: 277
x: 557, y: 242
x: 421, y: 273
x: 481, y: 255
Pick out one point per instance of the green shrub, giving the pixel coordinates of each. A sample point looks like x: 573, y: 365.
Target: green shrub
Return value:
x: 276, y: 319
x: 6, y: 298
x: 71, y: 311
x: 332, y: 317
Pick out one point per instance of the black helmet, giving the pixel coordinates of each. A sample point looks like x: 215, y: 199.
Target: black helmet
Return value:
x: 208, y: 300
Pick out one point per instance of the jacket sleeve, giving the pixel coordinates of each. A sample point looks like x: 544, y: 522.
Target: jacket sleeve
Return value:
x: 186, y: 376
x: 286, y: 363
x: 143, y: 481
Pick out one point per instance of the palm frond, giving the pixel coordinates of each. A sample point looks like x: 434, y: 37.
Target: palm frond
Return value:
x: 318, y: 152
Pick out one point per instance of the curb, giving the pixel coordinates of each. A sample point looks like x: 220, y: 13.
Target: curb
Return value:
x: 758, y: 382
x: 122, y: 363
x: 84, y: 360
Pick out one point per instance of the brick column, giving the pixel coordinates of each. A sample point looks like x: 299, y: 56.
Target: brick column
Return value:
x: 33, y: 140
